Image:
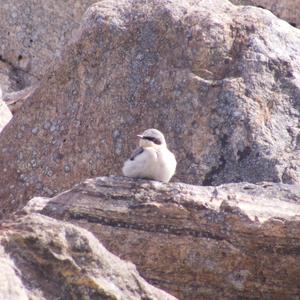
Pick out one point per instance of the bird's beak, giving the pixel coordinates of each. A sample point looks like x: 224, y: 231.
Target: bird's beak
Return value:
x: 140, y: 136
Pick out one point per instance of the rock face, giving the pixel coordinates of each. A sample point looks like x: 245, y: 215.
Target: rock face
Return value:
x: 42, y: 258
x: 288, y: 10
x: 235, y: 241
x: 221, y: 81
x: 32, y: 34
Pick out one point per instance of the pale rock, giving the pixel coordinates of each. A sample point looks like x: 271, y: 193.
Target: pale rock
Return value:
x: 42, y: 258
x: 5, y: 114
x: 288, y: 10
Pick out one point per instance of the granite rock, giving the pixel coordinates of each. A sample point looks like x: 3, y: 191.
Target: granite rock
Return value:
x: 42, y: 258
x: 234, y: 241
x: 222, y: 82
x: 32, y: 34
x: 288, y: 10
x: 16, y: 99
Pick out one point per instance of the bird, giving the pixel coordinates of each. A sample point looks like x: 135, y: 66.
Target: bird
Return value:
x: 152, y: 159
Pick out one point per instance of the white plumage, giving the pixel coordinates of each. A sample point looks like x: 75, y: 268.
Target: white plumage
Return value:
x: 152, y: 160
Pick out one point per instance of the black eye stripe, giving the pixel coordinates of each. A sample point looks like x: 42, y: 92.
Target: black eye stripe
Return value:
x: 152, y: 139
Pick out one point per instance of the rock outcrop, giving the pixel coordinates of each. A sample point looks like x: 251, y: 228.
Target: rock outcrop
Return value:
x: 42, y: 258
x: 288, y: 10
x: 235, y: 241
x: 221, y: 81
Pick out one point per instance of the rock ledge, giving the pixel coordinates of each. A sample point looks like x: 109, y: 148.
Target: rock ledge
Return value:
x: 231, y: 241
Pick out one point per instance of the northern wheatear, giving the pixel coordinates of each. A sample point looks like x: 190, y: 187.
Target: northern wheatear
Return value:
x: 152, y: 159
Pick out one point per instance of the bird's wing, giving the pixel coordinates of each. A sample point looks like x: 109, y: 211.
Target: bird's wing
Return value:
x: 136, y: 152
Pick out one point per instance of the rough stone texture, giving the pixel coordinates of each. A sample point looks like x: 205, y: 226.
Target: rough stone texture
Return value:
x: 235, y: 241
x: 9, y: 78
x: 288, y: 10
x: 44, y: 259
x: 222, y: 82
x: 15, y: 100
x: 32, y: 34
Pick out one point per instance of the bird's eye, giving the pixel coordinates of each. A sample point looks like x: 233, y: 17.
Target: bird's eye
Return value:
x: 152, y: 139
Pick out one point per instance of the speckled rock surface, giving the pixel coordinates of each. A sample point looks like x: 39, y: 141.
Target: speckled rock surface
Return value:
x: 32, y: 34
x: 9, y: 78
x: 222, y: 82
x: 288, y: 10
x: 45, y: 259
x: 234, y: 241
x: 15, y: 100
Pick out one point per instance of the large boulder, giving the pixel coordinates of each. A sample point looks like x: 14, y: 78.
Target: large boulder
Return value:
x: 221, y: 81
x: 235, y: 241
x: 288, y: 10
x: 42, y: 258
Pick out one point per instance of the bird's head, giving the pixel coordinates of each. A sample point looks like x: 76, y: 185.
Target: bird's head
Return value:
x: 152, y: 138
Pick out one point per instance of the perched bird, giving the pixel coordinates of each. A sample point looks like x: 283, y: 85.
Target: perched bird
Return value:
x: 152, y: 159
